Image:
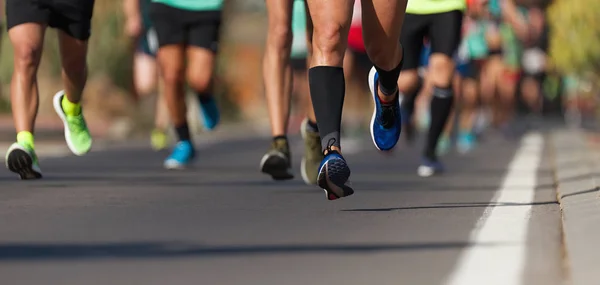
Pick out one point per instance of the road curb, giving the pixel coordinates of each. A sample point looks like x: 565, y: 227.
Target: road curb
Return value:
x: 577, y: 178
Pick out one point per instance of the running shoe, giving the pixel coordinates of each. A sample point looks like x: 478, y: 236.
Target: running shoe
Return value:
x: 159, y: 139
x: 334, y: 175
x: 465, y: 142
x: 277, y: 161
x: 183, y: 154
x: 430, y: 167
x: 386, y: 122
x: 313, y: 155
x: 443, y: 146
x: 22, y: 160
x: 210, y: 113
x: 77, y: 134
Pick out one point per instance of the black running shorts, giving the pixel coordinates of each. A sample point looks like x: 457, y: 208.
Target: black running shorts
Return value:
x: 194, y: 28
x: 70, y: 16
x: 442, y: 29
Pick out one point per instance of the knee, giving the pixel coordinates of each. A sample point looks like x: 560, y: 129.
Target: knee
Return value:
x: 469, y: 96
x: 442, y: 70
x: 145, y: 85
x: 27, y: 58
x: 199, y: 82
x: 328, y: 46
x: 409, y: 82
x: 172, y: 75
x: 279, y: 36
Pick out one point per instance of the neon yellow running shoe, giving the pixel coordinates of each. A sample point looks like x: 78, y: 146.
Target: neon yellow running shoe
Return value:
x: 22, y: 160
x: 77, y: 134
x: 159, y: 139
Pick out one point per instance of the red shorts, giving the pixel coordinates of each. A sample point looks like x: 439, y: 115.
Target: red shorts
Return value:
x: 355, y: 39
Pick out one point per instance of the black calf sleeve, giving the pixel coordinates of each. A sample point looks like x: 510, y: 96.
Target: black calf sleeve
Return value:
x: 327, y: 90
x: 441, y: 106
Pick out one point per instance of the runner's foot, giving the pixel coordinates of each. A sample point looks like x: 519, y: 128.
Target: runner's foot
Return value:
x: 22, y: 160
x: 77, y: 134
x: 277, y: 161
x: 312, y: 153
x: 386, y: 122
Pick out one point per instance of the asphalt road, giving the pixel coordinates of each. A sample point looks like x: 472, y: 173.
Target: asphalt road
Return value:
x: 116, y: 217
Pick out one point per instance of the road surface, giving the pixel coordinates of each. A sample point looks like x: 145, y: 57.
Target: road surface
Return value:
x: 116, y: 217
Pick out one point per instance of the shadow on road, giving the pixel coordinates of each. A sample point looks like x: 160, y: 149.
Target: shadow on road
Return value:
x: 33, y: 252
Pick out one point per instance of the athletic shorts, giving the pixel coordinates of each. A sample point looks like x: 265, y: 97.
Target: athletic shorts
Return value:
x: 442, y: 29
x: 73, y: 17
x: 193, y: 28
x: 470, y: 69
x: 148, y: 42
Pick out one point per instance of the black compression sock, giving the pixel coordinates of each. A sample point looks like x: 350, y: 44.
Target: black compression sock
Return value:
x: 441, y: 106
x: 280, y: 138
x: 327, y: 90
x: 204, y: 97
x: 388, y: 79
x: 183, y: 132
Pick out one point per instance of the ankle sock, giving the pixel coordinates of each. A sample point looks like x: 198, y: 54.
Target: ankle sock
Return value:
x: 70, y: 108
x: 25, y: 138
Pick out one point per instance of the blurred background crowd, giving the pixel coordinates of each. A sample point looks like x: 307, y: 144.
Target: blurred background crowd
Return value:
x: 558, y: 71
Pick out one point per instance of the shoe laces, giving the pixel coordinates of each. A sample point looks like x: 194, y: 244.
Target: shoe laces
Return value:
x: 76, y: 123
x: 389, y: 112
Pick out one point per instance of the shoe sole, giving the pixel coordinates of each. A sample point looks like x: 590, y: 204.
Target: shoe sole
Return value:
x: 174, y: 166
x: 276, y: 166
x: 21, y: 163
x: 426, y: 171
x: 56, y: 102
x: 334, y: 183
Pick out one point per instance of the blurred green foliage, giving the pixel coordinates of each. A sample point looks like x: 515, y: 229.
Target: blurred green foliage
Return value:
x: 575, y: 37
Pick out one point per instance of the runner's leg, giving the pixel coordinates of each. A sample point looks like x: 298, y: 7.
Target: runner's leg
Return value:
x: 382, y: 23
x: 313, y: 155
x: 170, y: 28
x: 201, y: 50
x: 27, y: 41
x: 445, y: 33
x: 277, y: 75
x: 331, y: 22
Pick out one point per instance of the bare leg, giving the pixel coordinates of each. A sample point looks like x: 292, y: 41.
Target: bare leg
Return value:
x: 277, y: 71
x: 171, y: 60
x: 27, y: 41
x: 74, y: 73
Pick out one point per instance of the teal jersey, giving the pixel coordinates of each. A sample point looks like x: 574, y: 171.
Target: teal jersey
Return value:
x: 299, y: 49
x: 193, y: 5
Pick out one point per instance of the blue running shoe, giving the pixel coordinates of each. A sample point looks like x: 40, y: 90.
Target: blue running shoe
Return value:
x: 386, y: 122
x: 210, y: 113
x: 182, y: 155
x: 465, y: 142
x: 430, y: 167
x: 333, y: 176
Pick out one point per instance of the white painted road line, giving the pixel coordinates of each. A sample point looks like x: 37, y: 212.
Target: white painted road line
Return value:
x: 504, y: 228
